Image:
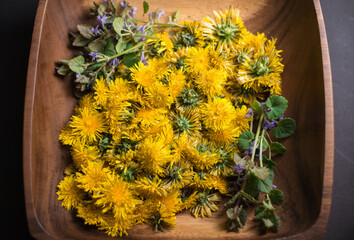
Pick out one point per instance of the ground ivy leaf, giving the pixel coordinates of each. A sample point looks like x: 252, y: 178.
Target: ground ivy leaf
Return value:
x: 118, y: 24
x: 146, y: 7
x: 121, y: 45
x: 255, y: 185
x: 285, y: 128
x: 242, y: 216
x: 267, y: 223
x: 261, y: 172
x: 245, y: 139
x: 63, y: 70
x: 277, y: 148
x: 256, y: 106
x: 77, y: 64
x: 231, y: 213
x: 277, y: 105
x: 102, y: 9
x: 97, y: 45
x: 110, y: 49
x: 276, y: 196
x: 269, y: 162
x: 130, y: 59
x: 85, y: 31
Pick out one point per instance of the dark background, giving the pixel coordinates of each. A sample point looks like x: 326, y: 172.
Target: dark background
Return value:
x: 17, y: 19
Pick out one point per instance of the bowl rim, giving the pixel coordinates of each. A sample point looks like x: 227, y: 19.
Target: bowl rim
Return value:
x: 317, y: 230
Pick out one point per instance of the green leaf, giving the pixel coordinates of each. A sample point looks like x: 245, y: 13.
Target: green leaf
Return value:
x: 97, y: 45
x: 265, y: 144
x: 85, y: 31
x: 79, y: 40
x: 285, y: 128
x: 276, y: 196
x: 110, y: 49
x: 277, y: 105
x: 233, y: 199
x: 121, y: 45
x: 114, y: 9
x: 63, y: 70
x: 102, y: 9
x: 118, y: 24
x: 77, y: 64
x: 277, y: 148
x: 176, y: 17
x: 255, y: 185
x: 269, y: 162
x: 130, y: 59
x: 249, y: 198
x: 230, y: 213
x: 245, y: 139
x: 260, y: 172
x: 267, y: 223
x: 257, y: 107
x: 242, y: 216
x: 146, y: 7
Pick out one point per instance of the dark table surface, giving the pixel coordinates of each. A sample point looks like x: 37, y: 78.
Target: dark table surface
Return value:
x: 17, y: 18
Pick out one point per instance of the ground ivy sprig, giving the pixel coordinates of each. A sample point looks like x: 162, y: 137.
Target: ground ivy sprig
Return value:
x: 118, y: 37
x: 254, y: 168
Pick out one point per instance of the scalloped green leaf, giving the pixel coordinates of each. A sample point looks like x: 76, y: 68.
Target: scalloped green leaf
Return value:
x: 277, y: 148
x: 285, y: 128
x: 276, y: 196
x: 277, y: 105
x: 245, y: 139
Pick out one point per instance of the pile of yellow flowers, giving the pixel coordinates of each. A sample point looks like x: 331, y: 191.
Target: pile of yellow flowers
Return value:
x: 161, y: 137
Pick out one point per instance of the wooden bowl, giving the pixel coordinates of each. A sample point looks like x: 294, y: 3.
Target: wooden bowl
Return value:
x: 304, y: 172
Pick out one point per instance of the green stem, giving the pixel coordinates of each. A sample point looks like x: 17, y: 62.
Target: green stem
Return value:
x: 257, y: 136
x: 260, y: 149
x: 145, y: 36
x: 132, y: 49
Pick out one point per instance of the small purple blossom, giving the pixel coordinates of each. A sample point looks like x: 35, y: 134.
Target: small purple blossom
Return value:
x: 265, y: 109
x: 151, y: 15
x: 249, y: 113
x: 123, y: 4
x: 132, y: 11
x: 106, y: 2
x: 78, y: 75
x: 160, y: 14
x: 102, y: 20
x: 141, y: 30
x: 114, y: 62
x: 143, y: 59
x: 238, y: 168
x: 269, y: 124
x: 250, y: 150
x: 94, y: 55
x: 274, y: 187
x: 95, y: 30
x: 281, y: 117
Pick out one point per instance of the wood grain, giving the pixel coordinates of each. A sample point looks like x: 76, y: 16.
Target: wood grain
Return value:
x: 305, y: 172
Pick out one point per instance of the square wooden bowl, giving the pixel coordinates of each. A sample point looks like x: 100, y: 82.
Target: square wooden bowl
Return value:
x: 304, y: 172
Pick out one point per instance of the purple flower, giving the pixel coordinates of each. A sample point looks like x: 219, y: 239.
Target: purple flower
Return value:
x: 114, y: 62
x: 94, y: 55
x: 250, y: 150
x: 160, y: 14
x: 249, y: 113
x: 141, y: 30
x: 102, y: 20
x: 263, y: 109
x: 78, y: 75
x: 106, y: 2
x: 267, y: 125
x: 281, y: 117
x: 95, y: 30
x: 151, y: 15
x: 132, y: 11
x: 274, y: 187
x: 143, y: 59
x: 123, y: 4
x: 238, y: 168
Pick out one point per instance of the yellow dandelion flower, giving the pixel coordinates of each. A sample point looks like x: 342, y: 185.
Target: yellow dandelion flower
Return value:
x: 91, y: 213
x: 159, y: 66
x: 171, y: 201
x: 225, y: 29
x: 223, y: 137
x: 161, y: 44
x: 101, y: 91
x: 153, y: 155
x: 226, y: 163
x: 158, y: 95
x: 187, y: 121
x: 93, y: 176
x: 205, y: 204
x: 189, y: 201
x: 166, y: 134
x: 241, y: 121
x: 148, y: 116
x: 87, y: 126
x: 201, y: 155
x: 176, y: 82
x: 162, y: 217
x: 218, y: 113
x: 219, y: 183
x: 201, y: 181
x: 178, y: 176
x: 221, y: 60
x: 197, y: 60
x: 69, y: 193
x: 116, y: 111
x: 176, y: 57
x: 191, y: 35
x: 120, y: 88
x: 116, y: 226
x: 67, y: 136
x: 87, y: 101
x: 211, y: 82
x: 82, y: 154
x: 143, y: 75
x: 149, y: 188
